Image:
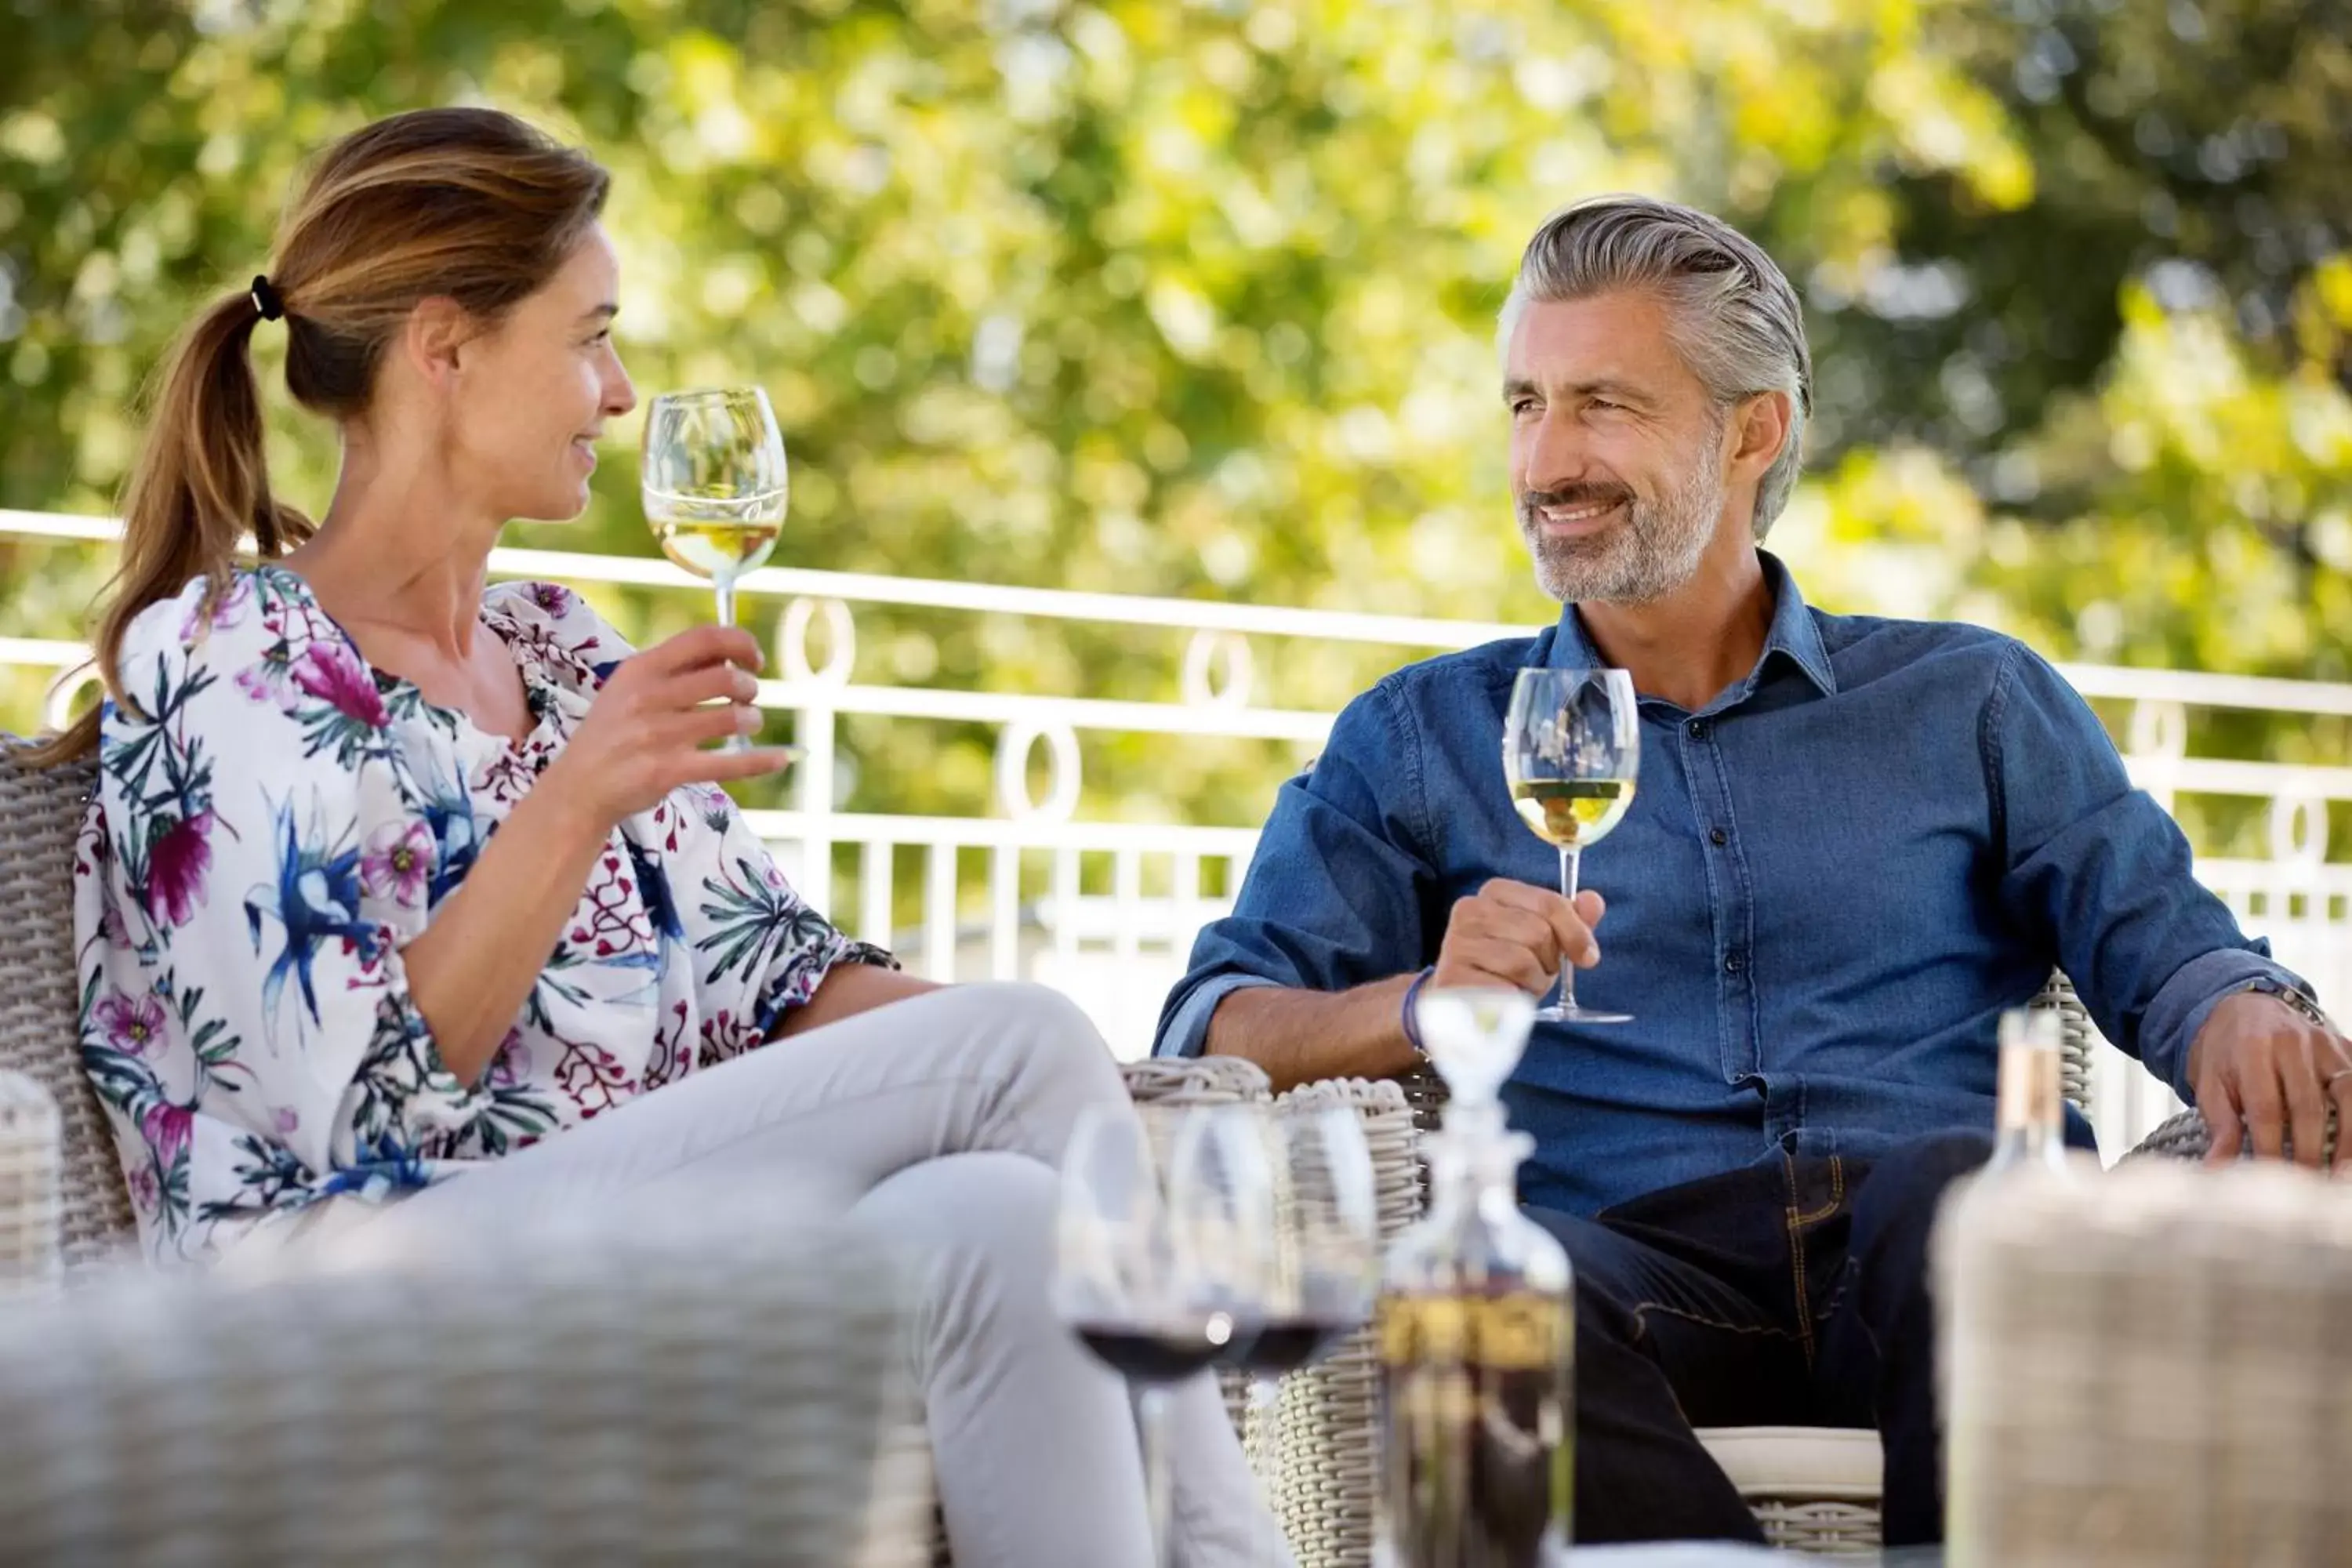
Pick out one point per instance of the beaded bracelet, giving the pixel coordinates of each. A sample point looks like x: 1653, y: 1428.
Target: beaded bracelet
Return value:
x: 1412, y: 1024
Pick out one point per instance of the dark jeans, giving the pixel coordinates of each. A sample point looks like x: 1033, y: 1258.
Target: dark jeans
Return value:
x: 1788, y: 1294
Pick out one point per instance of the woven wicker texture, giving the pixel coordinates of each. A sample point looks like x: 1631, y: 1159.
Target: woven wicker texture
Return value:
x: 2076, y: 1033
x: 1320, y: 1447
x: 697, y: 1393
x: 1813, y: 1489
x: 1165, y: 1090
x: 28, y: 1185
x: 1821, y: 1529
x: 2149, y: 1369
x: 2186, y: 1137
x: 41, y: 815
x: 1207, y: 1081
x: 1326, y: 1474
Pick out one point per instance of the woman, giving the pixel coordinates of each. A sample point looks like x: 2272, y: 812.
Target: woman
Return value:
x: 412, y: 906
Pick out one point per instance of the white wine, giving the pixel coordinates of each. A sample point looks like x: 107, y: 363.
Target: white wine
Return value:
x: 1571, y: 812
x: 1476, y: 1400
x: 716, y: 538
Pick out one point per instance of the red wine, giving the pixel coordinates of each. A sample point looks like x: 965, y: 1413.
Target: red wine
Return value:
x: 1287, y: 1345
x: 1149, y: 1355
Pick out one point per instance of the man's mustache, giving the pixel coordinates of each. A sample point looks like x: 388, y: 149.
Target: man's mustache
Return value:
x: 1578, y: 495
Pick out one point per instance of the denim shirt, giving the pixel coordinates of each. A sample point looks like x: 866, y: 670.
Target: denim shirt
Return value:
x: 1832, y: 880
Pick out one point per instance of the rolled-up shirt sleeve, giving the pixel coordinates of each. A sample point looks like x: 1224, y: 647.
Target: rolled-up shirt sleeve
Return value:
x: 2103, y: 874
x: 1336, y: 895
x: 760, y: 949
x: 2178, y: 1012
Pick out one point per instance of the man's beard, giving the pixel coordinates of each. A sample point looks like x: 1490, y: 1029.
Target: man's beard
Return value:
x: 1647, y: 555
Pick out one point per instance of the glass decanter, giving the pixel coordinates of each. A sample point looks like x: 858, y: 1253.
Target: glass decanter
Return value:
x: 1475, y: 1326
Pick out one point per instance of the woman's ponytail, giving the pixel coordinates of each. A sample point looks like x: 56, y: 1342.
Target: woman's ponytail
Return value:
x: 201, y: 484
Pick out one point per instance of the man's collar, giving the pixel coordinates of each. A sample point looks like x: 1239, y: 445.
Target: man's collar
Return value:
x: 1794, y: 635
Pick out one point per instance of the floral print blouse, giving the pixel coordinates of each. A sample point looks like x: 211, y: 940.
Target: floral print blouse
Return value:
x: 271, y: 828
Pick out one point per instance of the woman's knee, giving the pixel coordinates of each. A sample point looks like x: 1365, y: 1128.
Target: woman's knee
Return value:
x: 1050, y: 1032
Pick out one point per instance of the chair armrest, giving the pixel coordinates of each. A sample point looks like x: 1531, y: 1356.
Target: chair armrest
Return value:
x: 2186, y: 1137
x: 1178, y: 1082
x: 30, y: 1208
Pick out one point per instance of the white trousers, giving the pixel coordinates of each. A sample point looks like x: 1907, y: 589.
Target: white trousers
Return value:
x: 939, y: 1123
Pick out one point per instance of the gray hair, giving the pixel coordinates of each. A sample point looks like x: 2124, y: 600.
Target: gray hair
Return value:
x: 1735, y: 320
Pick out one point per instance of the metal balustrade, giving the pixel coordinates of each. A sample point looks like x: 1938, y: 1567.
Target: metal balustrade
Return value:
x: 1024, y: 911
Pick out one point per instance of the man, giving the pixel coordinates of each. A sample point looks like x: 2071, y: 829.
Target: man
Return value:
x: 1854, y: 844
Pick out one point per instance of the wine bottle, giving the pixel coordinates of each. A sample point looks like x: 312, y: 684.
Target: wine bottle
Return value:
x: 2029, y: 1114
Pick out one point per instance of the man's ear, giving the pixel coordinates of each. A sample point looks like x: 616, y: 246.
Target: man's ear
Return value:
x: 1759, y: 433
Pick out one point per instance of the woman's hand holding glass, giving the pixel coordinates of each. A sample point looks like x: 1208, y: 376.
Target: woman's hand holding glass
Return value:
x: 649, y: 729
x: 716, y: 484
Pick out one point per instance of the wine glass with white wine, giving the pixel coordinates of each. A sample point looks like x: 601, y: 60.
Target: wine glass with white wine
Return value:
x: 715, y: 487
x: 1573, y: 753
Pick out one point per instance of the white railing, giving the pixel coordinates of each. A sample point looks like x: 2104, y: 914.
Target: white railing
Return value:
x: 1024, y: 912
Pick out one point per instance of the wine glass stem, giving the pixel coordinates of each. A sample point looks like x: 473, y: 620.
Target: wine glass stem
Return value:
x: 722, y: 587
x: 1151, y: 1417
x: 1568, y: 856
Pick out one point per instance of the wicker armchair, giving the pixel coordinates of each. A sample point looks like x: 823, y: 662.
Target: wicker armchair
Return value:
x: 686, y: 1392
x: 64, y: 1207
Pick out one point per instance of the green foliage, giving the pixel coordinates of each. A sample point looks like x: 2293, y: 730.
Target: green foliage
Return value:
x: 1189, y: 297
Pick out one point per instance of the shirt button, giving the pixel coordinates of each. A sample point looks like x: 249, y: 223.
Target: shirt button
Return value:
x: 1718, y: 836
x: 1698, y: 729
x: 1733, y: 964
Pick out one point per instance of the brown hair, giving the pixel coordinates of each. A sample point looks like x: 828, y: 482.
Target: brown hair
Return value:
x: 469, y: 204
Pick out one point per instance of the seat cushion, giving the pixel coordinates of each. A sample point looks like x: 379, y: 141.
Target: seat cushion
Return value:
x: 1830, y: 1463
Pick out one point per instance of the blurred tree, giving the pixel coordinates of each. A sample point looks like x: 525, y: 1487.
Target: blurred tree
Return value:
x: 2142, y: 370
x: 1196, y: 298
x: 2192, y: 144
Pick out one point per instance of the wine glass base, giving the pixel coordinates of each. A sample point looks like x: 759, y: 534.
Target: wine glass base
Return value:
x: 1555, y: 1014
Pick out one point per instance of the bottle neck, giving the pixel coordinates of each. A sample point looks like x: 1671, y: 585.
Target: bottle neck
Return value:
x: 1474, y: 1163
x: 2030, y: 1124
